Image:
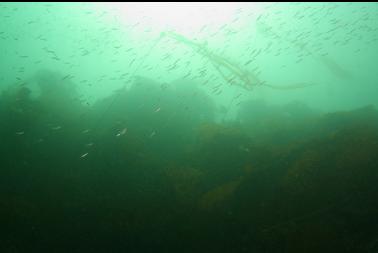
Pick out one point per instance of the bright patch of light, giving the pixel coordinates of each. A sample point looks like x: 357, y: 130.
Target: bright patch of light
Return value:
x: 188, y: 18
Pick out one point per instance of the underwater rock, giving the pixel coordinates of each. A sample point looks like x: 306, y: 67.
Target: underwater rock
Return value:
x: 186, y: 182
x: 216, y: 197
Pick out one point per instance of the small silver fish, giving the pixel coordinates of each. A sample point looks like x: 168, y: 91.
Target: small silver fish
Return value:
x: 84, y: 155
x: 122, y: 132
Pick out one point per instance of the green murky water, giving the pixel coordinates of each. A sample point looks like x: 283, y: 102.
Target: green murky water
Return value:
x: 188, y: 127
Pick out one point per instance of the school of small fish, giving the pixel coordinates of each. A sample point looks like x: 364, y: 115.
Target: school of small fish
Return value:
x: 274, y: 33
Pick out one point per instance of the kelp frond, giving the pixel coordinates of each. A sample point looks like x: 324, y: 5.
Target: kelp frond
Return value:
x: 240, y: 76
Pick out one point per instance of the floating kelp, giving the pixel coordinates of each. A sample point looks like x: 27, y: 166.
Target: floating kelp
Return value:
x: 335, y: 68
x: 236, y: 75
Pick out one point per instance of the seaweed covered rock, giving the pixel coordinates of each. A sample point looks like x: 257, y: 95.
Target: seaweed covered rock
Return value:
x: 58, y: 96
x: 365, y: 117
x: 275, y: 124
x: 219, y: 196
x: 339, y: 162
x: 328, y: 179
x: 222, y: 152
x: 163, y: 116
x: 187, y: 183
